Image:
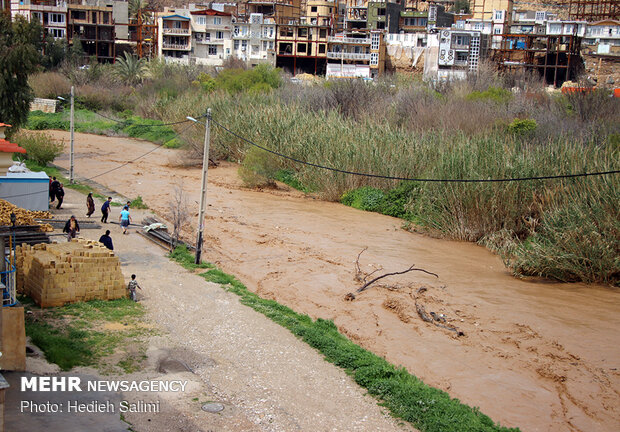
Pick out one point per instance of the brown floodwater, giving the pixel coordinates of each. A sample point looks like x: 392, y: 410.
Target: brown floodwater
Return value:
x: 535, y: 354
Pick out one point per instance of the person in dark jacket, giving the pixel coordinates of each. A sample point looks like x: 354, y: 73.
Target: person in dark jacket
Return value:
x: 54, y: 185
x: 105, y: 210
x: 106, y: 240
x: 90, y: 204
x: 60, y: 194
x: 72, y: 228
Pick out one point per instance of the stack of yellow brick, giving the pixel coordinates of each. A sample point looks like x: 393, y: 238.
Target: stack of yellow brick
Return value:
x: 59, y: 273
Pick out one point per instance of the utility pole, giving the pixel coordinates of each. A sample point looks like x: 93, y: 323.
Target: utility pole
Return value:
x: 72, y: 129
x: 203, y: 189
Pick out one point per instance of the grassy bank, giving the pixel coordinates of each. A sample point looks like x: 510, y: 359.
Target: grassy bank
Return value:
x: 90, y: 122
x: 408, y: 398
x: 107, y: 335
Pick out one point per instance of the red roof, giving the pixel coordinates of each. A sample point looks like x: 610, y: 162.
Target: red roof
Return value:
x: 210, y: 12
x: 4, y: 124
x: 9, y: 147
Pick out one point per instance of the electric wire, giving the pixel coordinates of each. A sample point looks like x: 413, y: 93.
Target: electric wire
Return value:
x: 429, y: 180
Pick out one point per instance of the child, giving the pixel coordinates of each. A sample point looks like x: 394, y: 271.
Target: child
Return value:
x: 133, y: 284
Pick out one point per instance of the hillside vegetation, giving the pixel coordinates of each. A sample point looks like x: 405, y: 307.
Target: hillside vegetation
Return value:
x: 486, y: 127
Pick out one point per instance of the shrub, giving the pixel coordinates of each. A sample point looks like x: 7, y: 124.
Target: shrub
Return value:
x: 262, y: 78
x: 49, y: 84
x: 522, y: 126
x: 364, y: 198
x: 40, y: 147
x: 495, y: 94
x: 258, y: 168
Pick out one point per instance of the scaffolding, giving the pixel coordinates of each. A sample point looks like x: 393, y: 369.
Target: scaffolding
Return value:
x: 556, y: 58
x: 593, y: 10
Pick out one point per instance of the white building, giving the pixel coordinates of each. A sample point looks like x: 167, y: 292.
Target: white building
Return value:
x: 52, y: 14
x: 603, y: 37
x: 174, y: 35
x: 211, y: 36
x: 254, y: 41
x: 452, y: 53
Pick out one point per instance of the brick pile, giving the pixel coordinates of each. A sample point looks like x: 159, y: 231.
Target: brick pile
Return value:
x: 59, y: 273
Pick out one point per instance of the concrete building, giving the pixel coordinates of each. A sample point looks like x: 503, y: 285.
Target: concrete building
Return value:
x: 384, y: 15
x: 420, y: 21
x: 452, y: 53
x: 211, y: 34
x: 94, y: 26
x: 52, y: 14
x: 356, y: 55
x: 603, y: 37
x: 321, y: 12
x: 302, y: 47
x: 492, y: 17
x: 175, y: 35
x: 254, y: 39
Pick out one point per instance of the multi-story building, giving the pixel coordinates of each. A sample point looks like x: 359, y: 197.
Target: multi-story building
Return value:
x: 491, y: 17
x: 384, y: 15
x: 603, y: 37
x: 175, y: 35
x: 356, y: 14
x: 302, y: 47
x: 211, y: 34
x: 254, y: 39
x: 321, y: 12
x: 356, y: 55
x: 52, y: 14
x: 420, y: 21
x: 93, y: 25
x: 280, y: 10
x: 452, y: 53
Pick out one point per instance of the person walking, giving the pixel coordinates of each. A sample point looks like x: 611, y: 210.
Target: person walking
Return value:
x: 60, y: 194
x: 131, y: 287
x: 107, y: 240
x: 54, y: 185
x: 125, y: 219
x: 105, y: 210
x: 72, y: 228
x: 90, y: 204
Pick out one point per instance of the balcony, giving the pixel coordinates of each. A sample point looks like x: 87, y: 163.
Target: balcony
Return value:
x: 173, y: 46
x: 349, y: 40
x: 176, y: 31
x: 347, y: 56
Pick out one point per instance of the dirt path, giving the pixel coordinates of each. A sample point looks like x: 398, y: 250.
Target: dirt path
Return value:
x: 266, y: 378
x: 538, y: 355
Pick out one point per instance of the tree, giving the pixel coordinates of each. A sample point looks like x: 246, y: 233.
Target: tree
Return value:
x: 461, y: 5
x: 20, y: 44
x: 130, y: 69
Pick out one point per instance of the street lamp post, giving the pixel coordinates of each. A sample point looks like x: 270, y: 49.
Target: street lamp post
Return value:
x: 203, y: 189
x: 72, y: 130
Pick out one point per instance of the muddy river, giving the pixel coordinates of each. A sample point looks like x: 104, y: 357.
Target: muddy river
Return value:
x: 539, y: 355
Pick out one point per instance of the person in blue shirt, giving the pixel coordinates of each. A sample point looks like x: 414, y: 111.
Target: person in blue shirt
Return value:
x: 105, y: 210
x: 125, y: 219
x: 106, y: 240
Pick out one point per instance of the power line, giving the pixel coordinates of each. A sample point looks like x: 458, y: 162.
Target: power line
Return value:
x: 386, y: 177
x: 129, y: 122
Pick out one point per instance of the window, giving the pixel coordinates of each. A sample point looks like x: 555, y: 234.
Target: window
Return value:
x: 313, y: 9
x: 219, y: 35
x: 106, y: 17
x: 381, y: 11
x: 540, y: 16
x: 321, y: 48
x: 301, y: 48
x: 497, y: 30
x: 461, y: 56
x: 374, y: 59
x: 499, y: 15
x: 56, y: 18
x: 207, y: 36
x: 270, y: 45
x: 38, y: 16
x: 264, y: 45
x: 212, y: 49
x: 302, y: 32
x: 201, y: 20
x: 380, y: 25
x: 217, y: 20
x: 322, y: 33
x: 236, y: 45
x: 78, y: 15
x: 375, y: 40
x: 244, y: 45
x: 461, y: 40
x: 57, y: 33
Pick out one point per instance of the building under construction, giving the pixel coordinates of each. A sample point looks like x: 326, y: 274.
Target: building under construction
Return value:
x: 593, y: 10
x: 555, y: 57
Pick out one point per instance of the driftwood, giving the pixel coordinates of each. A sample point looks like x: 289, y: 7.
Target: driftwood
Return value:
x: 362, y: 277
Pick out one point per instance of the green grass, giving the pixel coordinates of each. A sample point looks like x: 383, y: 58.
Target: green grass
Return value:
x: 427, y: 408
x: 182, y: 255
x: 71, y: 335
x: 138, y: 203
x: 89, y: 122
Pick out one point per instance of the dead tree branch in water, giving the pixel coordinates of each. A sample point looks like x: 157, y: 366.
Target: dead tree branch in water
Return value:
x: 362, y: 277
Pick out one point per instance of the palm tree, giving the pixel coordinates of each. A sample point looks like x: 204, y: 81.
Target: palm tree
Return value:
x: 130, y: 69
x: 137, y: 8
